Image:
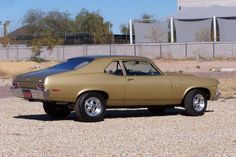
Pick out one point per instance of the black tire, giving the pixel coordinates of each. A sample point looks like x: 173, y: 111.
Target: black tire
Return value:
x: 158, y: 110
x: 92, y: 113
x: 195, y: 109
x: 56, y: 111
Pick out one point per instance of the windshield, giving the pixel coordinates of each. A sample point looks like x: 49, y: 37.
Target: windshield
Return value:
x: 72, y: 64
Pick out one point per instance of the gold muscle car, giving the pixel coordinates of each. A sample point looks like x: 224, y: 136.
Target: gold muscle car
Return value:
x: 88, y: 85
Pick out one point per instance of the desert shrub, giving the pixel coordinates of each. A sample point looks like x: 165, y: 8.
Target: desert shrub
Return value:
x: 203, y: 35
x: 4, y: 41
x: 48, y: 41
x: 38, y: 59
x: 4, y: 74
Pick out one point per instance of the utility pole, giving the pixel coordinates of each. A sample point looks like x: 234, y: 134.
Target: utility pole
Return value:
x: 130, y: 32
x: 172, y: 30
x: 214, y: 28
x: 0, y: 24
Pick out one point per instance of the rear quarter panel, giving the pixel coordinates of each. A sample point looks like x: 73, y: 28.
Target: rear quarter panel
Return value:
x: 70, y: 85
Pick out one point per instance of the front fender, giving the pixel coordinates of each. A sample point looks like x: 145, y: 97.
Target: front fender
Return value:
x: 207, y: 90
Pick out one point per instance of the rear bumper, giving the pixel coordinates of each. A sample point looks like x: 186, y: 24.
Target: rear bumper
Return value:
x: 36, y: 94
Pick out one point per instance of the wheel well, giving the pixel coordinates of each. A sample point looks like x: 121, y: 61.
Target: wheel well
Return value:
x: 104, y: 94
x: 205, y: 90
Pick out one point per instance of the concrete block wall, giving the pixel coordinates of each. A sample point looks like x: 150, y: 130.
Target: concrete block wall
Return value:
x: 164, y: 50
x: 200, y: 50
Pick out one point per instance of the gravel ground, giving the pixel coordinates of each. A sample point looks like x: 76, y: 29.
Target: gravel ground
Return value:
x: 26, y: 131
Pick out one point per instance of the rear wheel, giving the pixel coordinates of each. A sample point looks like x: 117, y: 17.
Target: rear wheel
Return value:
x: 195, y: 102
x: 90, y: 107
x: 56, y: 111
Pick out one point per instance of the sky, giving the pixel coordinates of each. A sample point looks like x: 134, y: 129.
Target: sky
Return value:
x: 115, y: 11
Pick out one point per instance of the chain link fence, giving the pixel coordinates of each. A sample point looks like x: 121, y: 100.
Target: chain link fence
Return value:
x: 72, y: 38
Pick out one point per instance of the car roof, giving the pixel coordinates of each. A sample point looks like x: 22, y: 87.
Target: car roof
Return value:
x: 100, y: 62
x: 110, y: 57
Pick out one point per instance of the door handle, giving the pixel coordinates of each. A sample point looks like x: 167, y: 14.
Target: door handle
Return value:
x: 130, y: 79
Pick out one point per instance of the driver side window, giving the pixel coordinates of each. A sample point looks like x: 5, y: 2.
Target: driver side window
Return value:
x: 114, y: 68
x: 139, y: 68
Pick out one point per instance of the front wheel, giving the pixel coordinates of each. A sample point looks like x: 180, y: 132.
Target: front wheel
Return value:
x: 195, y: 102
x: 56, y: 111
x: 90, y: 107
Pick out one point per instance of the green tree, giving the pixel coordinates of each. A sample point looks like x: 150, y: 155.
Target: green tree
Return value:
x: 33, y: 19
x: 124, y: 29
x: 94, y: 24
x: 47, y: 28
x: 147, y: 18
x: 56, y: 22
x: 53, y: 22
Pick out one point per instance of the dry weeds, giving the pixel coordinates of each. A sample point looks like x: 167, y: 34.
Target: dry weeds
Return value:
x: 4, y: 74
x: 10, y: 69
x: 228, y: 87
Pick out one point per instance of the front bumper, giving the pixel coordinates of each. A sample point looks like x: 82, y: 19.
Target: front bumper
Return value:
x: 217, y: 96
x: 36, y: 94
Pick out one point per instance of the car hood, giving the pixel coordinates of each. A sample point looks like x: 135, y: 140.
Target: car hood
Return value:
x: 38, y: 76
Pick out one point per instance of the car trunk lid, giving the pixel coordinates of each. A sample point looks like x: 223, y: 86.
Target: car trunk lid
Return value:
x: 30, y: 80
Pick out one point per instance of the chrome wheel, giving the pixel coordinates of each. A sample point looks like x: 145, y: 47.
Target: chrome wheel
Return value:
x: 93, y: 106
x: 199, y: 102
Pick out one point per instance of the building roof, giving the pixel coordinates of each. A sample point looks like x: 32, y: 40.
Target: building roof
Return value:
x: 205, y: 3
x: 205, y: 12
x: 19, y: 31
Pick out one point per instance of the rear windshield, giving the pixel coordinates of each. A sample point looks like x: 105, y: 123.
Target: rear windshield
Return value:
x: 72, y: 64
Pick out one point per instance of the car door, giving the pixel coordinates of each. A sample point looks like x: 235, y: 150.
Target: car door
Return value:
x: 115, y: 82
x: 144, y: 83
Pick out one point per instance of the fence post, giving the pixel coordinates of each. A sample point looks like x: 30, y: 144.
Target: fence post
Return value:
x: 17, y: 52
x: 110, y: 49
x: 186, y: 50
x: 135, y: 50
x: 8, y: 55
x: 86, y: 50
x: 232, y: 49
x: 213, y: 50
x: 63, y: 52
x: 161, y: 55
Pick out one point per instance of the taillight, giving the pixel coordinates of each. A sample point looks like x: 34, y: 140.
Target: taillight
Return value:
x: 40, y: 86
x: 15, y: 85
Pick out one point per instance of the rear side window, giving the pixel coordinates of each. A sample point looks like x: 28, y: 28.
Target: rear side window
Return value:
x: 72, y: 64
x: 114, y: 68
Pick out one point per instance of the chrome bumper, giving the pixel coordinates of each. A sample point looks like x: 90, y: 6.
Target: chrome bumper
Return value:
x: 36, y: 94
